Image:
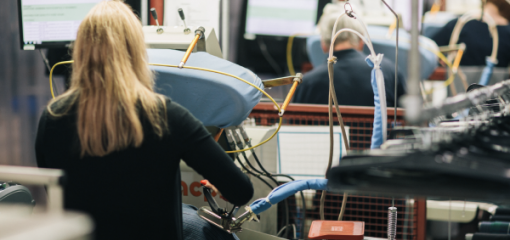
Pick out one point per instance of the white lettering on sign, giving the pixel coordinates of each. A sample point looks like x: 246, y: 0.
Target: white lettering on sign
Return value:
x: 337, y: 229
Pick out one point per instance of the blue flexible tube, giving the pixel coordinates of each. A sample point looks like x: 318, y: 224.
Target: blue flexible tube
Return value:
x: 487, y: 73
x: 377, y: 79
x: 284, y: 191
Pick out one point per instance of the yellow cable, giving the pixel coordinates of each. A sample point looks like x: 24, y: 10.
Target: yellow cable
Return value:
x: 290, y: 42
x: 449, y: 64
x: 289, y: 55
x: 436, y: 7
x: 392, y: 28
x: 207, y: 70
x: 456, y: 63
x: 51, y: 73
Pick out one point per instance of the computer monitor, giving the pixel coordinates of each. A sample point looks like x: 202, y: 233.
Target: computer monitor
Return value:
x: 51, y: 23
x: 281, y: 17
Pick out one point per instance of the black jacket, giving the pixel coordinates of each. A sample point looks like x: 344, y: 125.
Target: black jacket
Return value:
x: 478, y: 40
x: 352, y: 82
x: 135, y: 193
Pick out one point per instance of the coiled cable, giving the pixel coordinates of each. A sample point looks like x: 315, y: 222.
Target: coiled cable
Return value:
x: 392, y: 223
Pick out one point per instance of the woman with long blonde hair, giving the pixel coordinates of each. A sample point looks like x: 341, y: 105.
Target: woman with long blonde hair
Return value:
x: 120, y: 143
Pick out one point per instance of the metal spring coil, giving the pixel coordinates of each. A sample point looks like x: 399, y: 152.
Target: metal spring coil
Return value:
x: 392, y: 223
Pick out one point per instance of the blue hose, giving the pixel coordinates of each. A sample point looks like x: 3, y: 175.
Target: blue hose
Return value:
x: 379, y: 131
x: 284, y: 191
x: 487, y: 73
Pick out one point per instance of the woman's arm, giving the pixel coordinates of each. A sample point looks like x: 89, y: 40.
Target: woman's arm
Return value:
x: 210, y: 160
x: 205, y: 156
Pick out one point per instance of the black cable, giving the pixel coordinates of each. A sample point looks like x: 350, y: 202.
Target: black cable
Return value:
x: 258, y: 162
x: 47, y: 64
x: 265, y: 172
x: 292, y: 179
x: 255, y: 175
x: 264, y: 181
x: 303, y: 201
x: 258, y: 175
x: 258, y: 171
x: 287, y: 206
x: 267, y: 56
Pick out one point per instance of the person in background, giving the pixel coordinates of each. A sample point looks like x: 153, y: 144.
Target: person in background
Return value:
x: 477, y: 38
x: 120, y: 143
x: 352, y: 75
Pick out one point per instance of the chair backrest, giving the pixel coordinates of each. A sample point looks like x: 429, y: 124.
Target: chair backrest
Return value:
x: 215, y: 99
x: 433, y: 22
x: 16, y: 194
x: 383, y: 44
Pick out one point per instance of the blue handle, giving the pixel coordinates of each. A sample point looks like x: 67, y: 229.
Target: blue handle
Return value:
x: 487, y: 73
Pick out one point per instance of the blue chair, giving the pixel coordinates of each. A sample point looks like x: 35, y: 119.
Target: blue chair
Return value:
x: 215, y: 99
x: 13, y: 193
x: 432, y: 23
x: 386, y: 46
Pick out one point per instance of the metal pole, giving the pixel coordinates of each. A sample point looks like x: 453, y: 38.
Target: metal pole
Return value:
x: 144, y: 12
x: 413, y: 99
x: 396, y: 64
x: 55, y: 199
x: 225, y: 27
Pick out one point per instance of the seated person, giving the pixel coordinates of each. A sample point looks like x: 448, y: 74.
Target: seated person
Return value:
x: 120, y: 143
x: 477, y: 38
x: 352, y: 75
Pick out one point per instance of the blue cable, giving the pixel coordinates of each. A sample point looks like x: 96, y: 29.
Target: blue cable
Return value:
x: 487, y: 73
x: 284, y: 191
x: 377, y: 133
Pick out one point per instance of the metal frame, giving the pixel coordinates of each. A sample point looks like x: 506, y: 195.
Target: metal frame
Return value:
x: 360, y: 119
x: 52, y: 178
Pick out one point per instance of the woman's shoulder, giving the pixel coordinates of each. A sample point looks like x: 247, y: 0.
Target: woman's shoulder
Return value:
x: 172, y: 106
x: 176, y: 111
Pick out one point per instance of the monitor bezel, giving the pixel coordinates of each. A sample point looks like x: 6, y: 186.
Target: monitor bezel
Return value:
x: 135, y: 5
x: 244, y: 15
x: 59, y: 44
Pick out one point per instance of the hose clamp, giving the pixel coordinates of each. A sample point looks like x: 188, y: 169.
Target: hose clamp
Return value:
x: 349, y: 11
x: 200, y: 31
x: 298, y: 78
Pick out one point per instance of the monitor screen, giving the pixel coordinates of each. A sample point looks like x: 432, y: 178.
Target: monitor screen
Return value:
x: 281, y: 17
x: 51, y: 23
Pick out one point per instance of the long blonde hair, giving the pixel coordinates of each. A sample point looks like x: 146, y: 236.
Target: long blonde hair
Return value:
x: 111, y: 82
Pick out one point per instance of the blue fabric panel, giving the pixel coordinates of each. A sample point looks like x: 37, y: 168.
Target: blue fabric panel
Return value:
x: 487, y: 73
x: 315, y: 54
x: 386, y: 46
x: 381, y: 45
x: 196, y: 228
x: 377, y: 135
x: 431, y: 29
x: 284, y: 191
x: 260, y: 205
x: 215, y: 99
